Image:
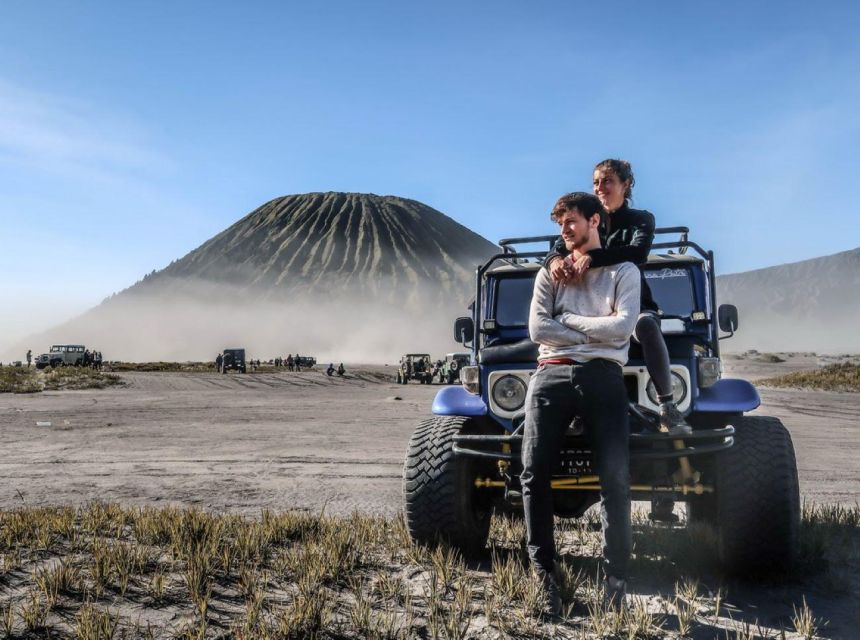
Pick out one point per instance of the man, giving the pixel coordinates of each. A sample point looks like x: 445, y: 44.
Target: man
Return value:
x: 583, y: 332
x: 29, y: 357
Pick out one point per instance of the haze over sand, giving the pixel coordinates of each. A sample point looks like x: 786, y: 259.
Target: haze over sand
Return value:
x: 365, y: 278
x: 341, y: 276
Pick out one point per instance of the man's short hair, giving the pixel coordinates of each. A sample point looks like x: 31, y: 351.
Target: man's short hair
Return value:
x: 587, y: 204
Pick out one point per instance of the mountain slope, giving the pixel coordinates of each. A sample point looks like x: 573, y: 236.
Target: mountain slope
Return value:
x: 813, y: 305
x: 386, y: 247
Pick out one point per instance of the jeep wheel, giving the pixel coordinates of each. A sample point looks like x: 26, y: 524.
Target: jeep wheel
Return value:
x: 440, y: 498
x: 758, y: 498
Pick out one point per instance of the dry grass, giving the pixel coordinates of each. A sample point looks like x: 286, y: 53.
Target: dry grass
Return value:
x: 843, y: 376
x: 187, y: 367
x: 32, y: 380
x: 103, y: 571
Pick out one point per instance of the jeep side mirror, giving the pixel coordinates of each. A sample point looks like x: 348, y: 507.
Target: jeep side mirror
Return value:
x: 464, y: 330
x: 727, y: 318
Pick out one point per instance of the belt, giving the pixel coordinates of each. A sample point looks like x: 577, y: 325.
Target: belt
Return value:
x: 557, y: 361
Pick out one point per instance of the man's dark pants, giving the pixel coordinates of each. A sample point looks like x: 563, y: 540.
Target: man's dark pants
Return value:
x: 557, y: 393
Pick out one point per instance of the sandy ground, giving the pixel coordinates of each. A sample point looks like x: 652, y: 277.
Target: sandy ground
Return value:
x: 302, y: 440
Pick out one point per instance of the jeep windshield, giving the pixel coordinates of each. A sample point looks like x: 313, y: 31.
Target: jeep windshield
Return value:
x: 672, y: 288
x: 513, y: 297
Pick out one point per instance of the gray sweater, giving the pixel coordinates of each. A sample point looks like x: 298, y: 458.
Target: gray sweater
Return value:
x: 588, y: 320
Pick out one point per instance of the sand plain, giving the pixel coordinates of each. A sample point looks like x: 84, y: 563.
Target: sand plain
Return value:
x: 303, y: 440
x: 243, y: 443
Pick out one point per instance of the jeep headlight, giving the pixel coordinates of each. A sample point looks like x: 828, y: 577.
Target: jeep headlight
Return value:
x: 679, y: 390
x: 709, y: 371
x: 509, y: 392
x: 471, y: 379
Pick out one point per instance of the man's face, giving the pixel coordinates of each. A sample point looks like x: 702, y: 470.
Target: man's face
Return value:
x: 576, y: 229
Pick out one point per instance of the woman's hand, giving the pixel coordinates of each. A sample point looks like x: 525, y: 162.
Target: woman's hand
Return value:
x: 560, y: 269
x: 580, y: 267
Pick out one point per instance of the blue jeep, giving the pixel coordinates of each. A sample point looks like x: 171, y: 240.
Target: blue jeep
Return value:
x: 736, y: 472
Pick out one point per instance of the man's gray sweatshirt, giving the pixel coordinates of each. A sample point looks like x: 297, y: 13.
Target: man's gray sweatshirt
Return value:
x: 591, y: 319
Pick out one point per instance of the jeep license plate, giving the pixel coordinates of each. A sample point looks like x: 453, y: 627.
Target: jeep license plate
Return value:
x: 575, y: 462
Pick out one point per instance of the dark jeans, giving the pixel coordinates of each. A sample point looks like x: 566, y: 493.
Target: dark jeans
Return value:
x: 557, y: 393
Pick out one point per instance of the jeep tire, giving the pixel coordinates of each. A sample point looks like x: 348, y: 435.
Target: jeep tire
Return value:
x: 441, y: 501
x: 758, y: 498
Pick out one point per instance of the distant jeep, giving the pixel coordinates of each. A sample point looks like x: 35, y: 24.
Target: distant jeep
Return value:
x: 415, y: 366
x: 305, y: 361
x: 233, y: 359
x: 62, y: 355
x: 454, y: 363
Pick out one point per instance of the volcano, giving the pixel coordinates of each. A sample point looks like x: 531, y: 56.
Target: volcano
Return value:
x: 343, y: 276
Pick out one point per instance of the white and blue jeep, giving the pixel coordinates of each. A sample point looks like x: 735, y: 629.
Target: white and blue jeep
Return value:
x: 736, y: 471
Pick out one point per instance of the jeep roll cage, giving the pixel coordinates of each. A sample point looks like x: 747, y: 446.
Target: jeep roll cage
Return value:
x: 725, y: 318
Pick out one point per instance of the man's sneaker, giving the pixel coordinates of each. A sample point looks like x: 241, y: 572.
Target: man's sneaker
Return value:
x: 672, y: 421
x: 551, y: 593
x: 614, y: 591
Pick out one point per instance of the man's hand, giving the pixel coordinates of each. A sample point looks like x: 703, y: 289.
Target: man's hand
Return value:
x: 560, y: 269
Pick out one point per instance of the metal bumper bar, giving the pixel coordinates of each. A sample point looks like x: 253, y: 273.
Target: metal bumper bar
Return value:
x: 643, y: 446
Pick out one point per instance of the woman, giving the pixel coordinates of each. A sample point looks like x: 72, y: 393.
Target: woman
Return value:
x: 627, y: 235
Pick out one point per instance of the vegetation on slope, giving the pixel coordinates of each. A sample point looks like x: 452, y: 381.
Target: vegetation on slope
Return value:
x: 843, y: 376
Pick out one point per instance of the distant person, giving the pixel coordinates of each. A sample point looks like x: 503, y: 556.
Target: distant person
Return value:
x: 340, y: 369
x: 219, y: 359
x: 29, y: 357
x: 330, y: 371
x: 290, y: 362
x: 298, y: 362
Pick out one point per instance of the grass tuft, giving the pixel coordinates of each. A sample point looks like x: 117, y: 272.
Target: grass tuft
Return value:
x: 843, y: 376
x: 300, y: 575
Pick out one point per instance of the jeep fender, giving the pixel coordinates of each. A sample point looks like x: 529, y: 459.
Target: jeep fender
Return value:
x: 728, y: 395
x: 456, y: 401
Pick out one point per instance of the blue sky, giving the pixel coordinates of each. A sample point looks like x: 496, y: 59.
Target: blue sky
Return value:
x: 130, y: 133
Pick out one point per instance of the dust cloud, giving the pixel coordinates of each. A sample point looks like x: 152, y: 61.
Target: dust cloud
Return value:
x: 171, y: 325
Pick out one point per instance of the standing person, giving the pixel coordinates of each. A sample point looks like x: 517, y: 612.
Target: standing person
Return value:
x: 340, y: 369
x: 298, y: 362
x: 289, y: 362
x: 583, y: 332
x: 29, y: 357
x: 627, y: 235
x: 218, y: 360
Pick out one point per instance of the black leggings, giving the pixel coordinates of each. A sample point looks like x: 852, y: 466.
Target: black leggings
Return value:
x: 648, y: 334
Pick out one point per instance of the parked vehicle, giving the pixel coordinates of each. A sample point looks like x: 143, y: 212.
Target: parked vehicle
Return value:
x: 415, y: 366
x: 736, y: 471
x: 61, y: 355
x: 233, y: 359
x: 451, y: 367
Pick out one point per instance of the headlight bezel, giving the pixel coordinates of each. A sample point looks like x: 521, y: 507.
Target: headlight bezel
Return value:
x: 507, y: 387
x: 678, y: 382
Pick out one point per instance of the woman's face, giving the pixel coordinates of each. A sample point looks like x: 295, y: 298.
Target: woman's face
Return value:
x: 609, y: 189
